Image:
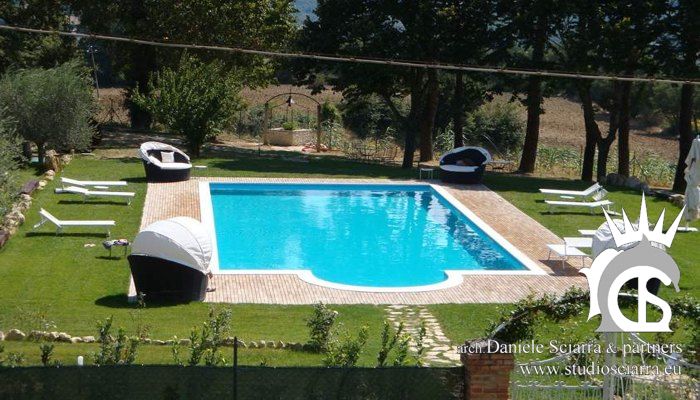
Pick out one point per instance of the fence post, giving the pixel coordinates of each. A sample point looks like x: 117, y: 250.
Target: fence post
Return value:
x: 486, y: 370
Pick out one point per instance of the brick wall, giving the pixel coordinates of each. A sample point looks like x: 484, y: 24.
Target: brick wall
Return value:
x: 486, y: 373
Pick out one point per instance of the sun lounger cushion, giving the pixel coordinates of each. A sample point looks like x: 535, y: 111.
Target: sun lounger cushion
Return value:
x: 589, y: 204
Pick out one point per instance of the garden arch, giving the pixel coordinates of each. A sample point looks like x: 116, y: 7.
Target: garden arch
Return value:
x: 271, y: 104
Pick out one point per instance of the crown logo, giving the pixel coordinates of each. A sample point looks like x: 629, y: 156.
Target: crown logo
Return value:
x: 642, y: 263
x: 629, y: 235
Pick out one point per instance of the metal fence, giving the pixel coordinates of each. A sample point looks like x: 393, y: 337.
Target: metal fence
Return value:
x: 172, y: 382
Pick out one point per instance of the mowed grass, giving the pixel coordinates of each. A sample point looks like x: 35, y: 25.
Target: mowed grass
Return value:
x: 67, y: 284
x: 523, y: 192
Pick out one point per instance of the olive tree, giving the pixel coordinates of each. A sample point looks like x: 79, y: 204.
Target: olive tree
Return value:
x: 51, y: 107
x: 195, y: 100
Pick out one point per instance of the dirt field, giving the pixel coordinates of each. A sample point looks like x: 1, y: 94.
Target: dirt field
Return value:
x: 561, y: 125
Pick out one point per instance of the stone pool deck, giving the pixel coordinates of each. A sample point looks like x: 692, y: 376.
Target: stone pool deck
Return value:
x: 166, y: 200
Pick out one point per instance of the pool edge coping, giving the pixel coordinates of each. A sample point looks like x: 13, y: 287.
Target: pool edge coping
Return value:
x: 454, y: 277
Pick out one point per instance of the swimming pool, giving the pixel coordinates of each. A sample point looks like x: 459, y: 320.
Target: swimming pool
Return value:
x: 378, y: 237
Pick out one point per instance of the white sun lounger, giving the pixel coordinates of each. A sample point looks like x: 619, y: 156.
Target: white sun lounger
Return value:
x: 571, y: 194
x: 94, y: 184
x: 86, y: 193
x: 590, y: 205
x: 570, y: 248
x: 60, y: 224
x: 587, y: 232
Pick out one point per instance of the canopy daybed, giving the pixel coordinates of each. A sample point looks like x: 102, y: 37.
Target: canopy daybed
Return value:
x: 464, y: 165
x: 170, y: 260
x: 164, y: 163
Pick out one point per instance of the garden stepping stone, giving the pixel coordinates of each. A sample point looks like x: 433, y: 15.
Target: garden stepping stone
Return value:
x: 437, y: 348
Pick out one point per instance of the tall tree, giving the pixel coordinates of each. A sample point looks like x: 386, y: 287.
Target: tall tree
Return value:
x: 532, y: 23
x: 26, y: 50
x: 576, y: 49
x: 606, y: 37
x: 384, y: 28
x: 678, y: 55
x: 630, y: 29
x: 470, y: 38
x: 267, y: 24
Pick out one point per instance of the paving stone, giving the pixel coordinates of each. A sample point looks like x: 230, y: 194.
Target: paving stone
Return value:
x: 165, y: 200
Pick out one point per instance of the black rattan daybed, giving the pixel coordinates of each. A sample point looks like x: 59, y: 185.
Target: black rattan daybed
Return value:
x: 464, y: 165
x: 170, y: 260
x: 164, y: 163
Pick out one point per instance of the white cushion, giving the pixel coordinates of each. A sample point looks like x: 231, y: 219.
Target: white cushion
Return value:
x: 167, y: 156
x: 458, y: 168
x: 174, y: 165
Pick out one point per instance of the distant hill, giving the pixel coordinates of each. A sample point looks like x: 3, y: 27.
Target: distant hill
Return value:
x: 306, y: 8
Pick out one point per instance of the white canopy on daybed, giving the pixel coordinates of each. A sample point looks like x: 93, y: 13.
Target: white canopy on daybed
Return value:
x: 161, y: 147
x: 182, y: 240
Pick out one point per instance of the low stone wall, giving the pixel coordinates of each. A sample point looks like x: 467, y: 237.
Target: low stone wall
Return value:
x: 10, y: 223
x: 282, y: 137
x: 17, y: 335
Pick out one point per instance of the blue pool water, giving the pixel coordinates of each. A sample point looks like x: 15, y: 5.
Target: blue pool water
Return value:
x: 363, y: 235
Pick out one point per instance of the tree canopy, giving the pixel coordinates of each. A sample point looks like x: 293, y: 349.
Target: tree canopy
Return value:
x: 50, y: 107
x: 195, y: 99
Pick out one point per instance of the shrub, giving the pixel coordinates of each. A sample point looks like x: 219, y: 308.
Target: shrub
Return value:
x: 420, y: 343
x: 330, y: 112
x: 196, y: 100
x: 320, y: 325
x: 9, y: 147
x: 47, y: 355
x: 290, y: 125
x: 114, y: 351
x: 345, y: 350
x: 206, y: 342
x: 50, y: 107
x: 653, y: 169
x: 366, y: 116
x: 11, y: 359
x: 495, y: 125
x: 333, y: 134
x: 389, y: 340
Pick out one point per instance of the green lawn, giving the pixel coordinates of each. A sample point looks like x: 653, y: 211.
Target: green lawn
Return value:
x: 66, y: 284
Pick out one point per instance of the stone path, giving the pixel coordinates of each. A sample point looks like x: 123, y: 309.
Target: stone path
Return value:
x: 438, y: 350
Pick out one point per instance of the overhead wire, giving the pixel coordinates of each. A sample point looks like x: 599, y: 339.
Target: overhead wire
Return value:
x: 357, y: 59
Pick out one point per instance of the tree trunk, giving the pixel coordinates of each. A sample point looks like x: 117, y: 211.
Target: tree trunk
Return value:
x: 143, y: 63
x: 603, y: 153
x: 410, y: 126
x: 623, y: 144
x: 458, y: 110
x: 592, y: 130
x: 685, y: 129
x: 534, y: 107
x: 27, y: 150
x: 427, y: 121
x: 41, y: 152
x: 605, y: 143
x: 407, y: 124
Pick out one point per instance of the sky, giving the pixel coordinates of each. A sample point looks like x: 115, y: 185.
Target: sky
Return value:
x: 305, y: 7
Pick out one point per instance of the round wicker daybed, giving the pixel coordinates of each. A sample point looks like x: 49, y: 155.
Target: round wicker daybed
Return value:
x: 170, y: 260
x: 164, y: 163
